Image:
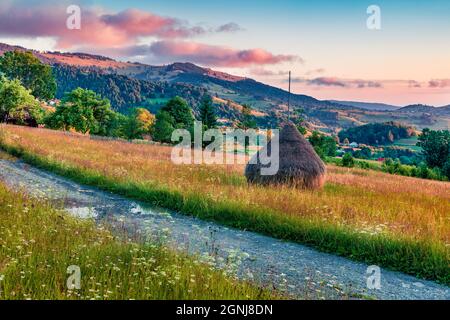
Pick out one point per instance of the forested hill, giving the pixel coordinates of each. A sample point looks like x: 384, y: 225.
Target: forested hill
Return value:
x: 131, y: 84
x: 377, y: 133
x: 121, y: 90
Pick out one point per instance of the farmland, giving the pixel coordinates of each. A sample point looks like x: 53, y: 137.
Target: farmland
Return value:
x: 398, y: 222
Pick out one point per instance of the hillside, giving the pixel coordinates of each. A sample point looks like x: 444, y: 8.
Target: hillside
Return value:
x: 420, y: 108
x: 123, y: 92
x: 130, y: 84
x: 368, y: 105
x: 377, y: 133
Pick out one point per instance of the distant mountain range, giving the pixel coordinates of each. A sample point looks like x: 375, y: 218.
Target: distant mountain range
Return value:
x: 368, y: 105
x: 421, y: 108
x: 129, y: 84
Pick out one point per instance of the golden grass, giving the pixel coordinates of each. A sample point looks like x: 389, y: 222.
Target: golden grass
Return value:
x: 368, y: 201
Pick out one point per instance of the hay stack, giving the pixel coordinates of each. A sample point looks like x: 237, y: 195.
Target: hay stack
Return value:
x: 299, y: 164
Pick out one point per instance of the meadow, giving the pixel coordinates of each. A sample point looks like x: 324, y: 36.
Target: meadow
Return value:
x: 397, y: 222
x: 38, y: 243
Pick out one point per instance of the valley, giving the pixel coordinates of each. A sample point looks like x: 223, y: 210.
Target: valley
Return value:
x: 128, y: 85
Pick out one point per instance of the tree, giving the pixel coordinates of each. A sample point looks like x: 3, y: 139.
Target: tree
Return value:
x: 33, y: 74
x: 348, y: 160
x: 17, y: 104
x: 446, y: 169
x: 435, y: 147
x: 207, y: 115
x: 364, y: 153
x: 248, y: 121
x: 377, y: 133
x: 299, y: 120
x: 84, y: 111
x: 117, y: 125
x: 164, y: 127
x: 180, y: 112
x: 324, y: 146
x: 139, y: 123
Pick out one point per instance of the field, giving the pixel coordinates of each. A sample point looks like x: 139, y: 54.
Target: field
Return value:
x: 409, y: 143
x: 397, y: 222
x: 38, y: 243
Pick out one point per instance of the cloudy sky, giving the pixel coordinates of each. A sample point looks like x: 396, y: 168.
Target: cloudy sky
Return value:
x: 327, y: 44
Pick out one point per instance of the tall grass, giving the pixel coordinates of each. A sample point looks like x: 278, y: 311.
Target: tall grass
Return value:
x: 397, y: 222
x: 38, y: 243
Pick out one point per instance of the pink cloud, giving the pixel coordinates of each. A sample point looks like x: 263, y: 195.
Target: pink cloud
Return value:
x: 439, y: 83
x: 338, y: 82
x: 327, y: 81
x: 137, y: 23
x: 48, y: 19
x: 215, y: 55
x: 259, y: 71
x: 119, y: 34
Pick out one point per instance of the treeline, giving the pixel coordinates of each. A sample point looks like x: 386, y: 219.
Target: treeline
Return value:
x: 26, y: 85
x: 377, y: 133
x: 123, y: 92
x: 432, y: 163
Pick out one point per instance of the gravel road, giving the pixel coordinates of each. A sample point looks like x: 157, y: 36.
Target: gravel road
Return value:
x: 300, y: 271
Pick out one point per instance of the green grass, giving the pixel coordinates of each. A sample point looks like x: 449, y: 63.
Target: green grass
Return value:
x: 421, y: 258
x: 409, y: 143
x: 38, y: 243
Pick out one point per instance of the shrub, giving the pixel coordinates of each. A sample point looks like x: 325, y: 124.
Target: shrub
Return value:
x: 348, y: 160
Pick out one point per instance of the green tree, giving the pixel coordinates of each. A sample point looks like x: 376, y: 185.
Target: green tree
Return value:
x: 139, y: 123
x: 17, y: 104
x: 207, y: 115
x: 33, y: 74
x: 324, y: 146
x: 248, y: 121
x: 298, y: 118
x: 435, y: 147
x: 180, y: 112
x: 117, y: 126
x: 348, y: 160
x: 446, y: 169
x: 164, y: 127
x: 84, y: 111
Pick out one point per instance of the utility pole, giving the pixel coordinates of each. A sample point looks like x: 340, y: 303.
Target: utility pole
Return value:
x: 289, y: 98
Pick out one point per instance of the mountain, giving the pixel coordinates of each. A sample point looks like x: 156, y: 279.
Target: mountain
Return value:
x: 239, y: 89
x: 421, y: 108
x: 368, y: 105
x: 131, y: 84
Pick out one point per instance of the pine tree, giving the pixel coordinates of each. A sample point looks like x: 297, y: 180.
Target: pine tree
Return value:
x: 207, y: 115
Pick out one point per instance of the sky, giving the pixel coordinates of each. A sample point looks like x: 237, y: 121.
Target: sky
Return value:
x: 328, y: 45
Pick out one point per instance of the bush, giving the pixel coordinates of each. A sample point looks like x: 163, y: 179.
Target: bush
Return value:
x: 363, y: 165
x: 18, y: 105
x: 446, y: 169
x: 348, y: 160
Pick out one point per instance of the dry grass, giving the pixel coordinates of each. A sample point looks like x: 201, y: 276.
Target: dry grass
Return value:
x: 372, y: 202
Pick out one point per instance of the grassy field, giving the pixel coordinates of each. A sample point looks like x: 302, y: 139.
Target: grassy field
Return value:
x: 409, y: 143
x: 393, y: 221
x: 38, y: 243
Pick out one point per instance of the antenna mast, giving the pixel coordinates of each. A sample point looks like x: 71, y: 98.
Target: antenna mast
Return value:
x: 289, y: 98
